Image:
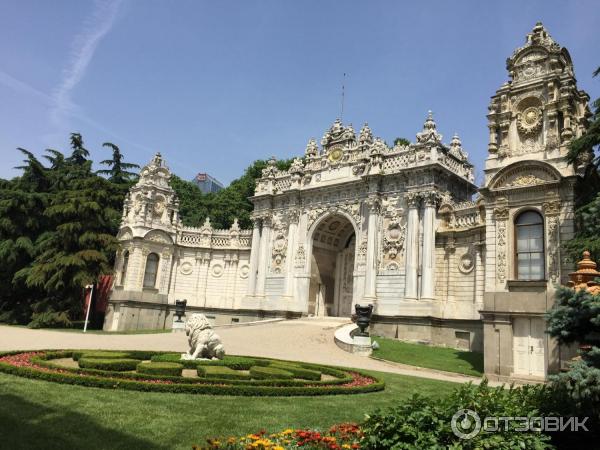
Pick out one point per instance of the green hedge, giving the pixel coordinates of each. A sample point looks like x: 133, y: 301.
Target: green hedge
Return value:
x: 117, y: 365
x: 134, y: 381
x: 221, y: 372
x: 136, y: 376
x: 160, y: 368
x: 272, y: 373
x: 108, y: 354
x: 298, y: 372
x: 77, y: 355
x: 234, y: 362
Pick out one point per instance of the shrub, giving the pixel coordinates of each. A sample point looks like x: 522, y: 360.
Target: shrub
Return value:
x: 28, y: 364
x: 234, y: 362
x: 270, y: 373
x: 50, y: 319
x: 77, y: 355
x: 221, y: 372
x: 423, y: 422
x: 118, y: 365
x: 160, y: 368
x: 298, y: 372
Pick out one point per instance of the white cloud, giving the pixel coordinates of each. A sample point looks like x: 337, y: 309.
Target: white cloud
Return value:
x: 84, y: 46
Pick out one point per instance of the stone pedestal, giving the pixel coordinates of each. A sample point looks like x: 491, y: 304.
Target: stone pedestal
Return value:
x: 362, y: 345
x: 178, y: 327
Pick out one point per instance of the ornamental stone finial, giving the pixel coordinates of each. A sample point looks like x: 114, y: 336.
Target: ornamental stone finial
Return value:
x: 429, y: 134
x: 456, y: 148
x: 366, y: 135
x: 312, y: 150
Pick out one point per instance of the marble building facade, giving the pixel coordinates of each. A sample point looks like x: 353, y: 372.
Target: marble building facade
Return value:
x: 405, y: 228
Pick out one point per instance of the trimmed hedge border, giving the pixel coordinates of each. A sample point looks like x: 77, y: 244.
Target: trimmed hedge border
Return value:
x: 233, y: 362
x: 160, y: 368
x: 116, y: 365
x: 109, y: 354
x: 136, y: 376
x: 47, y: 371
x: 298, y: 372
x: 221, y: 372
x: 270, y: 373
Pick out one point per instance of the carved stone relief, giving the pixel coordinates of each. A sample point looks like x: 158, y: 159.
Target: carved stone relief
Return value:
x: 501, y: 217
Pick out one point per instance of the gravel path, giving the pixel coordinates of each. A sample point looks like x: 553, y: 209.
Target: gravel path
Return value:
x: 309, y: 340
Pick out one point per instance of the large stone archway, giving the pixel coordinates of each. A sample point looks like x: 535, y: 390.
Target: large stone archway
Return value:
x: 331, y: 288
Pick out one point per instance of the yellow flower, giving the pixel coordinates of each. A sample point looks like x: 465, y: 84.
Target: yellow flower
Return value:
x: 346, y: 446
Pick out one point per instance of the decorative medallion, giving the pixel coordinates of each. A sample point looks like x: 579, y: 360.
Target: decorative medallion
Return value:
x: 466, y: 263
x: 217, y: 270
x: 186, y: 268
x: 244, y: 271
x: 335, y: 154
x: 529, y: 122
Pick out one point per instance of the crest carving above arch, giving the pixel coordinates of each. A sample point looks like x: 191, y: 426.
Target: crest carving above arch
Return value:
x: 158, y: 236
x: 125, y: 234
x: 525, y: 174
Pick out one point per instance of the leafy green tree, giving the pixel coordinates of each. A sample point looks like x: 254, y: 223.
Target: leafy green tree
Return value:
x: 119, y: 171
x: 79, y: 155
x: 401, y: 141
x: 193, y: 204
x: 57, y: 234
x: 226, y: 205
x: 587, y: 215
x: 575, y: 318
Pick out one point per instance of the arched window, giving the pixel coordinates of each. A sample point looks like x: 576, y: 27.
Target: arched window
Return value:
x: 151, y: 270
x: 124, y: 267
x: 529, y: 231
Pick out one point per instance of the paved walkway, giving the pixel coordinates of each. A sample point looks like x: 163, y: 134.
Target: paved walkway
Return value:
x: 309, y: 340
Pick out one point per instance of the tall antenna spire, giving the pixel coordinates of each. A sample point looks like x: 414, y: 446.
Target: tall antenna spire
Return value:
x: 343, y: 94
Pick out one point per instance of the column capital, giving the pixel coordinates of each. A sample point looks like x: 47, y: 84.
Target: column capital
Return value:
x: 413, y: 199
x: 430, y: 198
x: 293, y: 215
x: 374, y: 204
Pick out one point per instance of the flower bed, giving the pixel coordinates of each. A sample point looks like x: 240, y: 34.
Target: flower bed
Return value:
x: 338, y: 437
x: 47, y: 365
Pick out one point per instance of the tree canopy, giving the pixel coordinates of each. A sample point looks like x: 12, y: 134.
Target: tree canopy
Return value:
x: 587, y: 215
x: 58, y: 224
x: 59, y: 220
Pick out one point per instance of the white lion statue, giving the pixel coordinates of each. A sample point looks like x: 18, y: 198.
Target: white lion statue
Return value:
x: 204, y: 342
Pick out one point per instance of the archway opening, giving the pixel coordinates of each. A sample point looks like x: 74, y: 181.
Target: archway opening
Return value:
x: 332, y: 268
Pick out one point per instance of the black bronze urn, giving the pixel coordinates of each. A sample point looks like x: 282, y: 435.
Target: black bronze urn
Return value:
x: 180, y: 309
x: 363, y: 318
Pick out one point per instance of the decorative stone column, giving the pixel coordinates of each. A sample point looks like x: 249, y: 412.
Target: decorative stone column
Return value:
x: 493, y: 145
x: 412, y: 245
x: 427, y: 272
x: 551, y: 214
x: 501, y: 213
x: 254, y: 254
x: 263, y: 259
x: 374, y: 204
x: 479, y: 275
x: 291, y: 245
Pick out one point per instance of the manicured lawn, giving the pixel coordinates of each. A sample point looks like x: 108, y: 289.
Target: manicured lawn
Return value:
x: 440, y: 358
x: 89, y: 331
x: 40, y: 414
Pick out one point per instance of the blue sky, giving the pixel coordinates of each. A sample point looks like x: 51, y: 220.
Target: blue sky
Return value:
x: 216, y: 85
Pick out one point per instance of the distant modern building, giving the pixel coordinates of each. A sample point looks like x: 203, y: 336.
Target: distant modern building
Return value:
x: 207, y: 184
